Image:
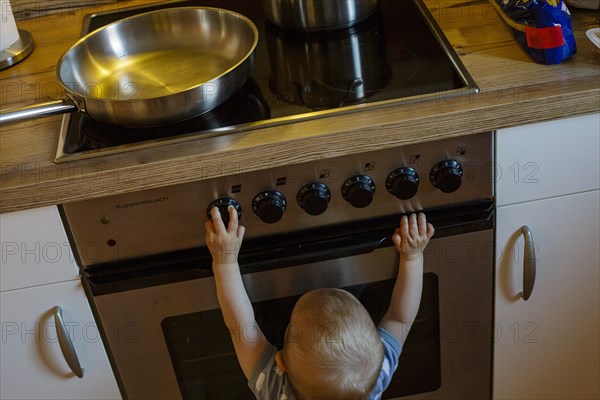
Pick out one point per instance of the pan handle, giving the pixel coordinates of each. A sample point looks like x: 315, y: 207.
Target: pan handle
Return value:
x: 37, y: 110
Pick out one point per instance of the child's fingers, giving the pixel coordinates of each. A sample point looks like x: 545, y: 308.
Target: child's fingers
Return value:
x: 396, y: 238
x: 422, y: 224
x: 240, y: 232
x: 233, y: 220
x: 209, y: 237
x: 218, y: 225
x: 413, y: 228
x: 430, y: 230
x: 404, y: 226
x: 209, y: 226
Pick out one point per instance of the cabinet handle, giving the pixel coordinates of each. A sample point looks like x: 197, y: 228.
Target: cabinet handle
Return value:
x: 66, y: 345
x: 529, y: 263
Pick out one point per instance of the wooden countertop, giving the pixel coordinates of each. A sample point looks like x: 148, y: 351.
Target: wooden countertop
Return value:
x: 514, y: 91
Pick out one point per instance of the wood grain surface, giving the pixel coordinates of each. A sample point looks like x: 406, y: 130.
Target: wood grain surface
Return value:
x: 514, y: 91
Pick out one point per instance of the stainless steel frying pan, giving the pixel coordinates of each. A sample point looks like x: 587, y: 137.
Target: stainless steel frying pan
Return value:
x: 153, y: 68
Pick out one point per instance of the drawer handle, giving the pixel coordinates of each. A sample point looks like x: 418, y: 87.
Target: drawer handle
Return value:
x: 66, y: 345
x: 529, y: 263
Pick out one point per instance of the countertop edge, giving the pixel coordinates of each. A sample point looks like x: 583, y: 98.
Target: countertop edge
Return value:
x: 35, y: 191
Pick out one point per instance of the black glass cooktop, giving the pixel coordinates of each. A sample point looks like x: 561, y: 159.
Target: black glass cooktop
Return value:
x: 396, y: 55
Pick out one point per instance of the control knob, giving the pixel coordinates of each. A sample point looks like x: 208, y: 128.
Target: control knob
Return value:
x: 222, y: 204
x: 446, y: 176
x: 359, y: 191
x: 403, y: 183
x: 314, y: 198
x: 269, y: 206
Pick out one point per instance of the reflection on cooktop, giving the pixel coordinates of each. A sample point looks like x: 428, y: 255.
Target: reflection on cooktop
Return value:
x: 329, y: 70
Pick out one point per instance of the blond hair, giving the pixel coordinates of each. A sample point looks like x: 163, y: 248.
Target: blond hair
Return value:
x: 332, y: 348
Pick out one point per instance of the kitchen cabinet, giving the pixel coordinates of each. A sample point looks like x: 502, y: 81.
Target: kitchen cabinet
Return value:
x: 35, y: 249
x: 548, y: 347
x: 547, y: 159
x: 32, y: 364
x: 38, y: 274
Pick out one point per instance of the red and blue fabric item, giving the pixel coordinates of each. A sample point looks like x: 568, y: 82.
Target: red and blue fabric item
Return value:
x: 548, y: 36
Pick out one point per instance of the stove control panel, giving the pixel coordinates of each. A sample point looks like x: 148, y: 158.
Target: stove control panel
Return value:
x: 343, y: 189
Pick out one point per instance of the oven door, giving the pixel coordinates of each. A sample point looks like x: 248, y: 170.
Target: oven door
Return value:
x: 168, y: 340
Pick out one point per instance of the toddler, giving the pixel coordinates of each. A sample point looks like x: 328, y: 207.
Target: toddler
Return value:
x: 332, y: 349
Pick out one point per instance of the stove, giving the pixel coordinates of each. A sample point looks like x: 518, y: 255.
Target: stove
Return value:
x: 327, y: 223
x: 398, y: 55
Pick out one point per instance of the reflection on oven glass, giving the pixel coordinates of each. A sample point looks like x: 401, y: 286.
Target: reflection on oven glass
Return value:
x: 206, y: 366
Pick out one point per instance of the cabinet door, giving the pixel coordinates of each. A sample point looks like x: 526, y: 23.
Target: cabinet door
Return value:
x: 548, y: 346
x: 32, y: 365
x: 547, y: 159
x: 34, y: 249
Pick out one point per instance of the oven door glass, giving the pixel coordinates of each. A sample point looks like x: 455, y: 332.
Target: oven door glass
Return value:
x: 206, y: 366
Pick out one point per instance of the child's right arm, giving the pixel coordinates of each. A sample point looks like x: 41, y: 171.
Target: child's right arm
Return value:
x: 410, y: 240
x: 224, y: 245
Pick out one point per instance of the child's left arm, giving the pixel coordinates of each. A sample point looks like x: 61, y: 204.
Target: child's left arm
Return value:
x: 410, y: 239
x: 224, y: 245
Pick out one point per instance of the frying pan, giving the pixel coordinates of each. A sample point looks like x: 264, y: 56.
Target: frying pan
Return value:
x: 153, y: 68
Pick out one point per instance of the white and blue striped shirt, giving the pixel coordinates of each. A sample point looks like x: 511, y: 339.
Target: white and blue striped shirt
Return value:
x: 391, y: 354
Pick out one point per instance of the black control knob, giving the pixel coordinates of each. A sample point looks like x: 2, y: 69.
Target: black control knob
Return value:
x: 446, y: 176
x: 222, y: 204
x: 359, y: 191
x: 403, y: 183
x: 269, y: 206
x: 314, y: 198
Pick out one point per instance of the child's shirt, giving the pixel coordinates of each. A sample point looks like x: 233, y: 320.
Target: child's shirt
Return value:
x: 268, y: 382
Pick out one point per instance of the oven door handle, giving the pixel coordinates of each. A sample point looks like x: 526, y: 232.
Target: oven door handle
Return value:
x: 313, y: 252
x: 357, y: 243
x: 356, y: 247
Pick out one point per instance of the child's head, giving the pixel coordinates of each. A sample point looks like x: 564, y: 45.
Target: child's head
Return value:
x: 332, y: 348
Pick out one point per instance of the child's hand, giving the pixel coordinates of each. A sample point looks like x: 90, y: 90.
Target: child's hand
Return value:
x: 412, y: 236
x: 224, y: 242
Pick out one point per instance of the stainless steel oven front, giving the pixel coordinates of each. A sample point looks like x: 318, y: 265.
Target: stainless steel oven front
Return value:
x: 148, y: 273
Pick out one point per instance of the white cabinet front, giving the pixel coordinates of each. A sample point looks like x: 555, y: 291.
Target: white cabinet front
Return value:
x: 547, y: 347
x: 34, y: 249
x: 32, y: 365
x: 548, y: 159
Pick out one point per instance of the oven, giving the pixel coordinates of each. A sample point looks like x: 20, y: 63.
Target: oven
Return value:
x: 319, y: 224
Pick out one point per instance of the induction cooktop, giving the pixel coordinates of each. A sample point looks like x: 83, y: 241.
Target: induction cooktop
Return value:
x: 397, y: 55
